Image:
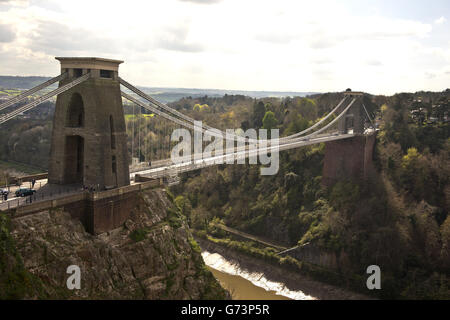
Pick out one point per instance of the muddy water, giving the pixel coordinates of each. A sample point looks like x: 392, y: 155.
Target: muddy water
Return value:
x: 245, y: 285
x: 243, y: 289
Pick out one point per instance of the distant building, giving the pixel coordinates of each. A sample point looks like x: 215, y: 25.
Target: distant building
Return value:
x: 419, y: 115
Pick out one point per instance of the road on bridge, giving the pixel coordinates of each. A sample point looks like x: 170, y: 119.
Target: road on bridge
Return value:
x: 44, y: 191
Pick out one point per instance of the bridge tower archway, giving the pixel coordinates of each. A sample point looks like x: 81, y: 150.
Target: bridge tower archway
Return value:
x: 74, y: 160
x: 75, y: 112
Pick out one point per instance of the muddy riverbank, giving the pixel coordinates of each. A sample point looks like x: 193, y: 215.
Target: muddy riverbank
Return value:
x: 269, y: 277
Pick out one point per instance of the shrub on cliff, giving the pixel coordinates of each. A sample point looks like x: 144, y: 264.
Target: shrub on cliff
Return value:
x: 15, y: 281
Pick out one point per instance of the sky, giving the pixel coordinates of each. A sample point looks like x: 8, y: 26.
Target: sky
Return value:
x: 376, y: 46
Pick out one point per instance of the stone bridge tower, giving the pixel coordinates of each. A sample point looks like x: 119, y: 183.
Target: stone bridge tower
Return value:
x: 89, y: 141
x: 354, y: 119
x: 350, y: 159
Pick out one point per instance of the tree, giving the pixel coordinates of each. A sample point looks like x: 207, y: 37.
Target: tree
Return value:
x: 245, y: 125
x: 269, y: 121
x: 269, y: 107
x: 297, y: 125
x: 258, y: 114
x: 410, y: 160
x: 201, y: 107
x: 413, y: 173
x: 307, y: 108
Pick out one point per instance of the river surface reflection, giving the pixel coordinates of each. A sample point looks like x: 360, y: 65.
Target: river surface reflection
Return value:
x: 247, y: 285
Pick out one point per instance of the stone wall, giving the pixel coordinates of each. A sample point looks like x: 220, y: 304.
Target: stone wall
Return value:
x: 99, y: 212
x: 108, y: 213
x: 348, y: 159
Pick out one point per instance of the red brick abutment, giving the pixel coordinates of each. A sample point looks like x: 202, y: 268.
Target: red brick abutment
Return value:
x: 99, y: 212
x: 348, y: 159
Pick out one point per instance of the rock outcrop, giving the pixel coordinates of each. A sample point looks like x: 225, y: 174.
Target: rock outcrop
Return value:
x: 153, y: 256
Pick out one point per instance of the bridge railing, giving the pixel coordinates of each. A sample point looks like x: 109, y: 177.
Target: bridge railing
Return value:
x: 35, y: 203
x: 39, y: 197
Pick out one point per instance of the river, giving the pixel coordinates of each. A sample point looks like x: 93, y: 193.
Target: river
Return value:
x: 246, y: 285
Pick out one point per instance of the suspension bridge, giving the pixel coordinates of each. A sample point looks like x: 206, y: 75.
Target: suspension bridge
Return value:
x: 92, y: 141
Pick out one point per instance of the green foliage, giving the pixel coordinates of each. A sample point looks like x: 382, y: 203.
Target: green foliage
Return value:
x: 411, y: 159
x: 174, y: 218
x: 269, y: 121
x: 259, y: 111
x: 31, y: 141
x: 194, y: 245
x: 170, y: 196
x: 201, y: 107
x: 307, y: 108
x: 365, y: 222
x: 138, y: 235
x: 299, y: 124
x: 345, y: 196
x: 184, y: 206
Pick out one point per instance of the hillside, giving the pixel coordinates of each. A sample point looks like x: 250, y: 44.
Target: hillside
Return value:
x: 153, y: 256
x: 162, y: 94
x: 403, y: 225
x: 17, y: 82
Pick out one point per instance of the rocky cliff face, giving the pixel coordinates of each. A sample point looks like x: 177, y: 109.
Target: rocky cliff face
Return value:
x: 153, y: 256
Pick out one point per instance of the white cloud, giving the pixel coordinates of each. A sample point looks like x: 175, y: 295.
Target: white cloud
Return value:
x: 202, y: 1
x: 374, y: 63
x: 254, y: 45
x: 6, y: 33
x: 441, y: 20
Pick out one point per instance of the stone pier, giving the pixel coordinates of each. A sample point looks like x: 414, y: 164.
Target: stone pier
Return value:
x: 348, y: 159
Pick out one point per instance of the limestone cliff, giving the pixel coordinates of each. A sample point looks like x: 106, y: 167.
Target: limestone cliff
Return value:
x: 153, y: 256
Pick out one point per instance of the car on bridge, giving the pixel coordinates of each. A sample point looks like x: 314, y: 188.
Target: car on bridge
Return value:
x: 23, y: 192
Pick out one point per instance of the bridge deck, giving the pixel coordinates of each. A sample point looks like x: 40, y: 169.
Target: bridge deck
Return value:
x: 191, y: 165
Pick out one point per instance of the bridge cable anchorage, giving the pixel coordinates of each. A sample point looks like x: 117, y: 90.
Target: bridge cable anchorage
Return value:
x: 206, y: 127
x: 28, y: 93
x: 38, y: 101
